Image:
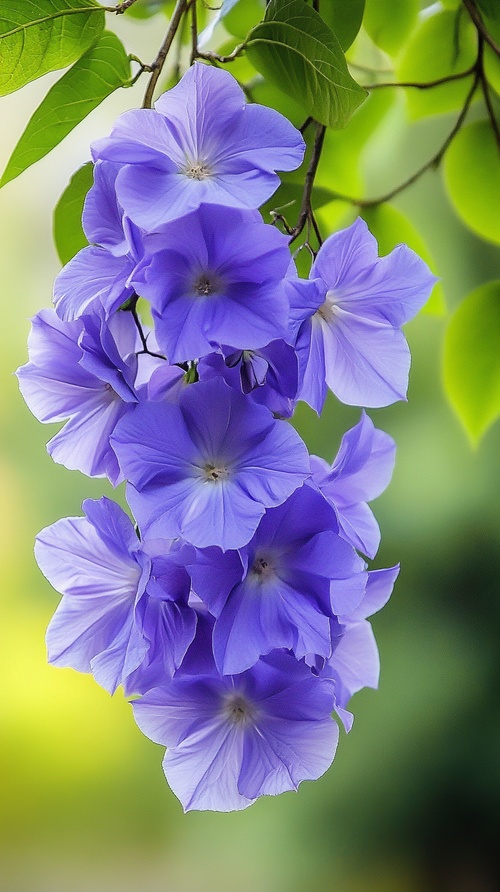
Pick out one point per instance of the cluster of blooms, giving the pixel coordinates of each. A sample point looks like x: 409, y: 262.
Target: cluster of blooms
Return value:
x: 236, y: 607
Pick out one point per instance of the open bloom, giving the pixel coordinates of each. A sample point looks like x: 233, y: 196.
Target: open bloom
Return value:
x: 81, y: 372
x: 97, y: 278
x: 359, y: 473
x: 234, y: 738
x: 352, y: 341
x: 201, y: 143
x: 213, y: 277
x: 124, y: 614
x: 207, y: 468
x: 282, y: 589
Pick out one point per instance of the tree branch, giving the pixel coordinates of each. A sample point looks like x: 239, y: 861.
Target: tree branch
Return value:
x: 428, y: 84
x: 159, y: 62
x: 479, y: 24
x: 306, y: 209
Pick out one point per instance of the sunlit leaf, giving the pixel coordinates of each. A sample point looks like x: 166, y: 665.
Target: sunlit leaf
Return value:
x: 68, y: 233
x: 472, y: 360
x: 37, y: 36
x: 444, y: 44
x: 389, y: 22
x: 492, y: 68
x: 295, y: 50
x: 390, y: 227
x: 344, y: 17
x: 472, y: 177
x: 99, y: 72
x: 242, y: 16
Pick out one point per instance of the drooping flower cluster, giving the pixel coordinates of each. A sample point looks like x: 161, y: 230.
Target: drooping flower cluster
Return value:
x: 236, y: 608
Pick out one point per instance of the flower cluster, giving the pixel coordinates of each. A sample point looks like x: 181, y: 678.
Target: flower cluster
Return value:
x: 236, y: 607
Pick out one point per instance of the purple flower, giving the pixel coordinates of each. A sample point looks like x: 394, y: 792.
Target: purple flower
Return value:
x: 281, y: 590
x: 360, y: 472
x: 97, y: 278
x: 201, y: 143
x: 269, y: 375
x: 232, y: 739
x: 207, y: 468
x: 83, y: 371
x: 124, y: 615
x: 215, y: 277
x: 352, y: 342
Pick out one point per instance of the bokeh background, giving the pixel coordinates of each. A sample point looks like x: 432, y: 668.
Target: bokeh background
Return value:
x: 411, y: 801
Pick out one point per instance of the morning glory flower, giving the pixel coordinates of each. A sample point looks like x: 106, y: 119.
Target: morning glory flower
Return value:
x: 234, y: 738
x: 269, y: 375
x: 213, y: 277
x: 124, y: 614
x: 81, y: 372
x: 96, y: 279
x: 283, y: 587
x: 201, y: 143
x: 207, y: 468
x: 359, y: 473
x: 352, y: 341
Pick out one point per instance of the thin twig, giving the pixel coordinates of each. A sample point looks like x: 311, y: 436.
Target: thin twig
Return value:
x: 306, y: 210
x: 157, y: 66
x: 123, y: 6
x: 194, y: 31
x: 428, y: 84
x: 478, y: 22
x: 303, y: 127
x: 486, y: 91
x: 210, y: 56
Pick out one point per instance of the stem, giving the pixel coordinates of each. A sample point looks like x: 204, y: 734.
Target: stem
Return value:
x: 306, y: 210
x: 123, y: 6
x: 194, y: 31
x: 210, y: 56
x: 429, y: 84
x: 159, y: 62
x: 478, y: 22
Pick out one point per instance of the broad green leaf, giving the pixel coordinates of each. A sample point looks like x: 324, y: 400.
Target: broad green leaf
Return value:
x: 472, y: 360
x: 390, y: 227
x: 444, y: 44
x: 146, y: 9
x: 489, y: 8
x: 334, y: 216
x: 99, y: 72
x: 389, y: 22
x: 344, y: 17
x: 295, y: 50
x: 37, y: 36
x: 472, y: 177
x: 68, y: 233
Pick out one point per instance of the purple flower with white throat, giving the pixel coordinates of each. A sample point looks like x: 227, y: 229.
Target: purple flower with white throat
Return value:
x: 352, y: 341
x: 81, y: 372
x: 282, y: 589
x: 207, y: 468
x: 215, y: 277
x: 97, y: 278
x: 124, y: 614
x: 201, y: 143
x: 234, y: 738
x: 359, y: 473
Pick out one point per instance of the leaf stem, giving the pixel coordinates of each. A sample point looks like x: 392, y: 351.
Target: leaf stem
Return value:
x: 428, y: 84
x: 479, y: 24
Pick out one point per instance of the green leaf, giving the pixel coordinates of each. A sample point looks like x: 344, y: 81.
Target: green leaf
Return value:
x: 390, y: 227
x: 146, y: 9
x: 37, y: 36
x: 242, y: 16
x: 99, y: 72
x: 472, y: 177
x: 472, y: 360
x: 389, y: 22
x: 444, y: 44
x: 490, y: 9
x: 69, y: 236
x: 492, y: 68
x: 295, y: 50
x: 344, y: 17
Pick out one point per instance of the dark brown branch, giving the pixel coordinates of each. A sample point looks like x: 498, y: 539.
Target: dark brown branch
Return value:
x: 194, y: 31
x: 123, y: 6
x: 479, y: 24
x: 306, y: 210
x: 159, y: 62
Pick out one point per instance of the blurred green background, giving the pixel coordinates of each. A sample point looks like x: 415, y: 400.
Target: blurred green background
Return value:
x: 411, y: 800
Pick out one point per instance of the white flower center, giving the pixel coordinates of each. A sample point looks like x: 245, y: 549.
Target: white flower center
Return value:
x: 237, y: 709
x: 197, y: 170
x: 328, y: 310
